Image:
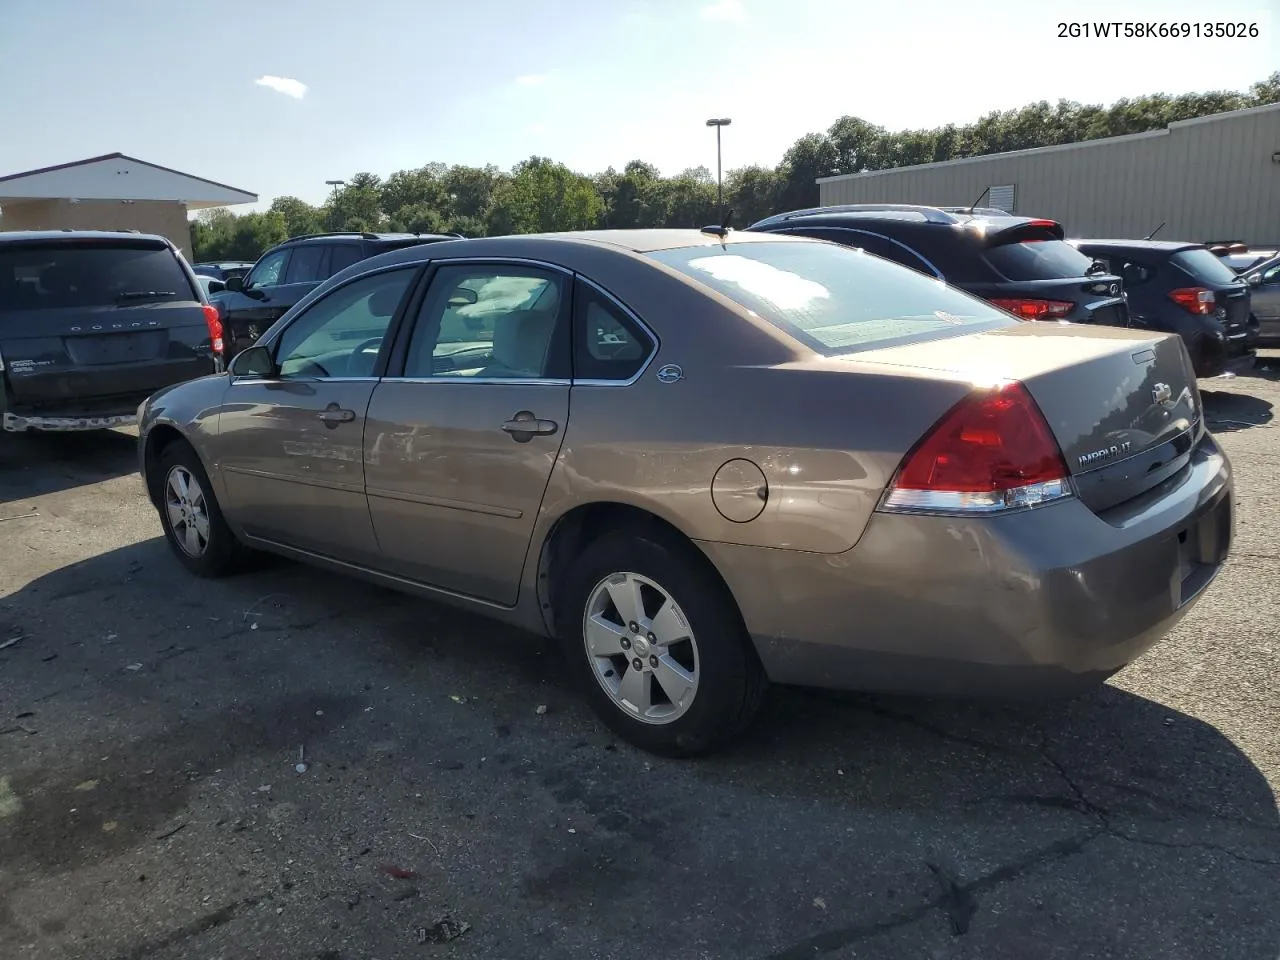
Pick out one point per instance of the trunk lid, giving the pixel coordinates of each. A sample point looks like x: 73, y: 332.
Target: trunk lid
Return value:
x: 1124, y: 406
x: 96, y: 325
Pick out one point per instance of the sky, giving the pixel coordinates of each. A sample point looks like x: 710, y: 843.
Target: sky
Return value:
x: 277, y: 96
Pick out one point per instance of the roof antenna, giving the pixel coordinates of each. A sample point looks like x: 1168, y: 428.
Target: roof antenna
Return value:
x: 720, y: 229
x: 1155, y: 231
x: 969, y: 209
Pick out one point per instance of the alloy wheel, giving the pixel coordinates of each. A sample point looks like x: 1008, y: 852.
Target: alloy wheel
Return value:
x: 641, y: 648
x: 188, y: 511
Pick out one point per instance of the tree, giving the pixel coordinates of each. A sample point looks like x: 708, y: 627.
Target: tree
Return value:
x: 540, y: 194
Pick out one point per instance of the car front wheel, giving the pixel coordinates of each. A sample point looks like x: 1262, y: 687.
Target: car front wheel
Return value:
x: 658, y: 645
x: 192, y: 520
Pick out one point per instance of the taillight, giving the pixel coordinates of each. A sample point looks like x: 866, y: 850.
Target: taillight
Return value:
x: 1197, y: 300
x: 992, y: 451
x: 1031, y: 309
x: 215, y: 326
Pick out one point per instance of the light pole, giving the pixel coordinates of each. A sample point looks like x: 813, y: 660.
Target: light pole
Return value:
x: 719, y: 122
x: 335, y: 184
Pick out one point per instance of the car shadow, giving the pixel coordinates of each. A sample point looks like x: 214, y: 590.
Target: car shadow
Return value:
x: 34, y: 464
x: 1108, y: 823
x: 1227, y: 412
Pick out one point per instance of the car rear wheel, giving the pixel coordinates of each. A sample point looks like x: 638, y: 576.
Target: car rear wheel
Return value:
x: 192, y: 520
x: 658, y: 645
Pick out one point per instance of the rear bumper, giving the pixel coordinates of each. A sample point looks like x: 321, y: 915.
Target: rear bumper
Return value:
x: 1042, y: 601
x: 17, y: 423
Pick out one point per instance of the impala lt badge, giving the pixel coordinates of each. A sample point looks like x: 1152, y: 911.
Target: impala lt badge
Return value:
x: 1106, y: 453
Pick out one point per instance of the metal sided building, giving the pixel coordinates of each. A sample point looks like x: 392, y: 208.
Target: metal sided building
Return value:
x: 1213, y: 178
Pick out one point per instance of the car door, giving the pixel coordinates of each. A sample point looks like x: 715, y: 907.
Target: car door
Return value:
x: 1266, y: 301
x: 289, y: 442
x: 460, y: 442
x: 248, y: 311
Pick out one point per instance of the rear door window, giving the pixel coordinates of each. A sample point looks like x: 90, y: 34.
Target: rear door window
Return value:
x: 104, y: 274
x: 1039, y: 260
x: 343, y: 255
x: 268, y: 271
x: 1205, y: 267
x: 305, y: 264
x: 834, y: 299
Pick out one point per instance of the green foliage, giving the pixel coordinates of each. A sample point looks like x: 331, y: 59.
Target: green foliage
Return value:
x: 541, y: 195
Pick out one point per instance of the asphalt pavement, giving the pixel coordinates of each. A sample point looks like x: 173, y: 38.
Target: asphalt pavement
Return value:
x: 289, y: 764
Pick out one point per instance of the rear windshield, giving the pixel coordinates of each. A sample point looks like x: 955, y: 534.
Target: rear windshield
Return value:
x: 835, y: 299
x: 1205, y: 267
x: 1039, y: 260
x: 60, y: 276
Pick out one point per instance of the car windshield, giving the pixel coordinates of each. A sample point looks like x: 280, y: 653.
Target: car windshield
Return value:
x: 836, y: 299
x: 1039, y: 260
x: 50, y: 276
x: 1202, y: 265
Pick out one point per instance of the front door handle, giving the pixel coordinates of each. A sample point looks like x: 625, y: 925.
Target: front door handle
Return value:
x: 333, y: 414
x: 524, y: 425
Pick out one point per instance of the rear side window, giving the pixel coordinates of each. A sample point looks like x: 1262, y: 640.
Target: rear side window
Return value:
x: 61, y: 276
x: 342, y: 256
x: 607, y: 344
x: 304, y: 265
x: 1204, y: 267
x: 1039, y: 260
x: 835, y: 299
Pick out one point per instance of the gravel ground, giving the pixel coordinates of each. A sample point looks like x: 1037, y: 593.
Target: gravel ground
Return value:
x: 152, y: 806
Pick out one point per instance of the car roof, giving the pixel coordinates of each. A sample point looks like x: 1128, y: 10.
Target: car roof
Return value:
x: 359, y: 235
x: 1153, y: 246
x: 905, y: 213
x: 649, y: 240
x: 26, y: 236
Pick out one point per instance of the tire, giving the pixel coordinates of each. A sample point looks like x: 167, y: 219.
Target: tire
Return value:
x: 219, y: 553
x: 729, y: 680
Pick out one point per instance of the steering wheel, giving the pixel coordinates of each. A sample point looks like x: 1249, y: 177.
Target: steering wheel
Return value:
x: 375, y: 342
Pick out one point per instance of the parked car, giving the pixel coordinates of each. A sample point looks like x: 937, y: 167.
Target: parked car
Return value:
x: 91, y: 323
x: 705, y: 460
x: 222, y: 271
x: 289, y: 271
x: 1240, y: 257
x: 1021, y: 264
x: 209, y: 285
x: 1264, y: 284
x: 1182, y: 288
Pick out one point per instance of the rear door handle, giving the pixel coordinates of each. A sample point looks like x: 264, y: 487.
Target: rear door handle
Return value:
x: 336, y: 415
x: 524, y: 425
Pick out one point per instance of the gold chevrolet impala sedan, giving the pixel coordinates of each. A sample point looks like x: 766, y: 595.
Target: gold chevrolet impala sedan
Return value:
x: 706, y: 460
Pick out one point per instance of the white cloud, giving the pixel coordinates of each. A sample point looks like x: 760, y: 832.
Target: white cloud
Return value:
x: 531, y: 79
x: 286, y: 85
x: 725, y: 11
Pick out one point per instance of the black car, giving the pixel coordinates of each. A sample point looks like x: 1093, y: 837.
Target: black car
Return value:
x: 92, y: 323
x: 222, y: 270
x: 292, y: 269
x: 1184, y: 288
x: 1021, y: 264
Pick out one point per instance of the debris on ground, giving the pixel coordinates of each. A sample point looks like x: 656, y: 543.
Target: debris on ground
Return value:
x: 86, y: 786
x: 134, y: 667
x: 21, y: 516
x: 169, y: 833
x: 399, y: 873
x: 457, y: 699
x: 542, y: 710
x: 11, y: 642
x: 301, y: 765
x: 443, y: 930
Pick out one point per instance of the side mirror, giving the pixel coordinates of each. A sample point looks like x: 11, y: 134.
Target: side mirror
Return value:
x: 255, y: 361
x: 235, y: 284
x: 216, y: 286
x: 462, y: 297
x: 1254, y: 279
